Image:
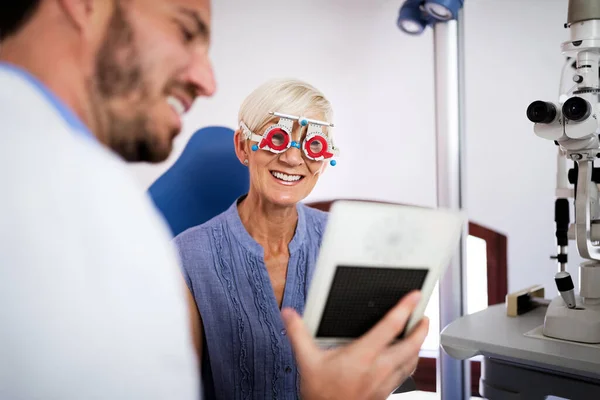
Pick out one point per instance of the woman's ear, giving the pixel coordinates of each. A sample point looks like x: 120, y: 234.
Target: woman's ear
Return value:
x: 241, y: 146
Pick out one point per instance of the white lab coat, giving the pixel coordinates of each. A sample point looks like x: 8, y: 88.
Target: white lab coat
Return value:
x: 91, y: 298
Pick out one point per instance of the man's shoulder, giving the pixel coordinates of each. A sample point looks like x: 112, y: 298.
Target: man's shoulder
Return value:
x: 81, y: 241
x: 38, y: 146
x: 55, y: 176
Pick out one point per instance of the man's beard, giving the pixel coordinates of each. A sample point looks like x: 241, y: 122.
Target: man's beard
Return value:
x: 120, y: 92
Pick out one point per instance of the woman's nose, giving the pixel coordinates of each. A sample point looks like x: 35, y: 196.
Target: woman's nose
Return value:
x: 292, y: 156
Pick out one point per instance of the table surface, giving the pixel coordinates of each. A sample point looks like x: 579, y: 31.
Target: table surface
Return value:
x: 493, y: 334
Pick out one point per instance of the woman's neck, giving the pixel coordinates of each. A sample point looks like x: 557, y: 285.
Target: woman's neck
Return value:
x: 272, y: 226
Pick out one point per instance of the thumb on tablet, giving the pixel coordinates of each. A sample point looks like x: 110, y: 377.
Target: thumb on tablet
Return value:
x: 305, y: 349
x: 391, y: 325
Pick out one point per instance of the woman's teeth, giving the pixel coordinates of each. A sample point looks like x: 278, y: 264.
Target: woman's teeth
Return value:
x: 284, y: 177
x: 176, y: 104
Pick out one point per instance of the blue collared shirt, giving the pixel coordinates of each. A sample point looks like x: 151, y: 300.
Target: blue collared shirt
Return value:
x: 61, y: 108
x: 247, y: 354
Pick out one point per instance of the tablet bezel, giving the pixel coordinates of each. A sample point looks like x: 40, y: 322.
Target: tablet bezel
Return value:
x: 351, y: 229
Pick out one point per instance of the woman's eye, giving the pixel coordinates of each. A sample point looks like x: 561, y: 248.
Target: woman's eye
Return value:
x: 278, y: 139
x: 316, y: 146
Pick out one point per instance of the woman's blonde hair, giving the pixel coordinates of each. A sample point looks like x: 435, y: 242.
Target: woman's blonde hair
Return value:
x: 288, y: 96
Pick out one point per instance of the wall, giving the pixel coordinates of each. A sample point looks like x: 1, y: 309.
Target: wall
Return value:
x: 381, y: 84
x: 512, y: 58
x: 379, y: 81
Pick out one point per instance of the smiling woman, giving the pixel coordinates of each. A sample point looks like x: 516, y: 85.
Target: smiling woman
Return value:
x: 298, y: 116
x: 244, y: 265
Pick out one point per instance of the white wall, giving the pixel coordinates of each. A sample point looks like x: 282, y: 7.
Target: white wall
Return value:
x: 380, y: 82
x: 512, y: 58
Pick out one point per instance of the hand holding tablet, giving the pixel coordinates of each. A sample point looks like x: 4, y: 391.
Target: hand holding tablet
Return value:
x: 376, y: 270
x: 371, y: 367
x: 372, y: 255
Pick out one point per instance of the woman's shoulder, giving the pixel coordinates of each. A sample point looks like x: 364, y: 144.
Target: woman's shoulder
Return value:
x: 315, y: 217
x: 199, y: 237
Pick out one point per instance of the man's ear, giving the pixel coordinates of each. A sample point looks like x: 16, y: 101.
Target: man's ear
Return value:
x: 240, y: 145
x: 79, y: 12
x: 90, y: 17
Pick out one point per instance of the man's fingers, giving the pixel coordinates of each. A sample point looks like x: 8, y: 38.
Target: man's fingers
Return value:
x: 390, y: 326
x: 407, y: 350
x: 418, y: 335
x: 404, y: 356
x: 305, y: 349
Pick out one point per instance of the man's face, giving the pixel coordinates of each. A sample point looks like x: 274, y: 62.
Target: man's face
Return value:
x: 151, y: 66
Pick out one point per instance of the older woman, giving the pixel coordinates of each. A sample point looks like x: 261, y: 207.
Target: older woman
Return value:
x: 244, y: 265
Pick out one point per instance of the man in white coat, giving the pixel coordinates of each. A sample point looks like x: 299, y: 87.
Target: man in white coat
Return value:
x: 91, y: 297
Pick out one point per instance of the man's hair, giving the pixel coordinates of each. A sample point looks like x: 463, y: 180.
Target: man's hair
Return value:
x: 13, y: 17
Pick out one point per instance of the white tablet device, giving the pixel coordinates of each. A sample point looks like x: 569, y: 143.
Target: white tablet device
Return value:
x: 371, y: 256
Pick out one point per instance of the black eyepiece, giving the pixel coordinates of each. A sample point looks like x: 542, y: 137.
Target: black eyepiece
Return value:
x: 541, y: 112
x: 576, y: 109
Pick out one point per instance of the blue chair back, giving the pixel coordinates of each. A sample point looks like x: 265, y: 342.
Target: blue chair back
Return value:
x: 203, y: 182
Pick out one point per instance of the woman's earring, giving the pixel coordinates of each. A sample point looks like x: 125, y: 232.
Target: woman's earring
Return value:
x: 246, y: 162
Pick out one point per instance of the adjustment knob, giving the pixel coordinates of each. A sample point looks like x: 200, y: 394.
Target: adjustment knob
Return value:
x: 564, y: 284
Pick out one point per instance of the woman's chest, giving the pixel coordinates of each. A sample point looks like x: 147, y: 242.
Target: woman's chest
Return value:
x: 252, y: 284
x: 276, y: 266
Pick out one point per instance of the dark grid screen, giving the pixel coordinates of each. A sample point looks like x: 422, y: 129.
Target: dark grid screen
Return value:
x: 361, y: 296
